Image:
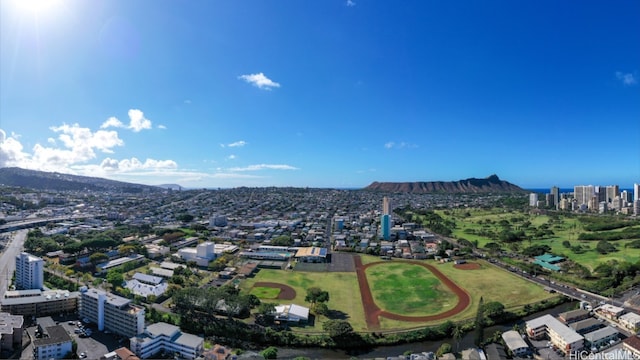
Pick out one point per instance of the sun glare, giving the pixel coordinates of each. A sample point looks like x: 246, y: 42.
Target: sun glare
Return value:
x: 37, y: 6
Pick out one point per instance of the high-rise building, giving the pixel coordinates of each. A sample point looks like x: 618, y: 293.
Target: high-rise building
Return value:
x: 583, y: 194
x: 601, y: 193
x: 386, y: 206
x: 533, y: 199
x: 385, y: 226
x: 612, y: 192
x: 626, y: 196
x: 636, y: 192
x: 29, y: 272
x: 555, y: 195
x: 112, y: 312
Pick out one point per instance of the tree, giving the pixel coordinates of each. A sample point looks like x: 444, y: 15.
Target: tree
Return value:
x: 114, y: 277
x: 270, y: 353
x: 445, y: 348
x: 321, y: 309
x: 457, y: 335
x: 337, y: 328
x: 316, y: 295
x: 494, y: 310
x: 479, y: 324
x: 98, y: 257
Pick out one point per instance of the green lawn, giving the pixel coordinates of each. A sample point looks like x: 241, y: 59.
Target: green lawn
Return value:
x: 408, y: 289
x: 344, y: 294
x: 265, y: 293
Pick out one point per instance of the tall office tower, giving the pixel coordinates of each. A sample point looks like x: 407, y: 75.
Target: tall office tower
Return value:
x: 29, y: 272
x: 555, y: 194
x: 583, y: 194
x: 592, y: 205
x: 636, y: 207
x: 385, y: 226
x: 533, y: 199
x: 636, y: 192
x: 386, y: 206
x: 612, y: 192
x: 626, y: 196
x: 601, y: 193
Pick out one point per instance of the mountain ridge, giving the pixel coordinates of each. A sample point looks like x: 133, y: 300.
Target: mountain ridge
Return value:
x: 490, y: 184
x: 42, y: 180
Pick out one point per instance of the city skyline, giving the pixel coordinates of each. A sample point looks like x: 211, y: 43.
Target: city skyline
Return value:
x: 327, y: 94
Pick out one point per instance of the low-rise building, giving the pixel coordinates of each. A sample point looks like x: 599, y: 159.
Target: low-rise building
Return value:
x: 292, y: 313
x: 311, y: 254
x: 39, y: 303
x: 56, y: 344
x: 560, y: 335
x: 163, y: 337
x: 10, y: 331
x: 145, y: 285
x: 515, y: 343
x: 610, y: 311
x: 122, y: 353
x: 632, y: 344
x: 630, y: 321
x: 569, y: 317
x: 586, y: 326
x: 601, y: 338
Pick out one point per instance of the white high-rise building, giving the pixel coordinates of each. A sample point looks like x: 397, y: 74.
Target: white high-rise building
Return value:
x: 386, y: 206
x: 636, y: 192
x: 29, y: 272
x: 533, y: 199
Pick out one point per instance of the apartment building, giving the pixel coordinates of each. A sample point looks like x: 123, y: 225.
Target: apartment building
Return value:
x: 111, y: 312
x: 39, y: 302
x: 29, y: 272
x: 10, y: 331
x: 559, y: 334
x: 56, y: 345
x: 163, y: 337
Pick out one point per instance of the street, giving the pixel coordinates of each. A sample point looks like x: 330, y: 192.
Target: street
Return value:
x: 8, y: 258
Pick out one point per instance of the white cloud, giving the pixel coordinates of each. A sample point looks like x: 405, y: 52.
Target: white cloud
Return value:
x: 240, y: 143
x: 351, y: 3
x: 259, y: 80
x: 162, y: 127
x: 628, y: 79
x: 138, y: 121
x: 400, y: 145
x: 231, y: 157
x: 112, y: 122
x: 264, y: 167
x: 133, y: 164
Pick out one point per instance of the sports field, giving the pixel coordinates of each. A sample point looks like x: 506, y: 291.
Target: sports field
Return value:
x: 409, y: 289
x: 390, y: 277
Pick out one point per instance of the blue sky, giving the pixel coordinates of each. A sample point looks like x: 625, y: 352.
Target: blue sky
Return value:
x: 322, y: 93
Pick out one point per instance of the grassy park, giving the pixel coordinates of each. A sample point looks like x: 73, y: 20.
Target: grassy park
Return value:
x: 408, y: 289
x: 402, y: 288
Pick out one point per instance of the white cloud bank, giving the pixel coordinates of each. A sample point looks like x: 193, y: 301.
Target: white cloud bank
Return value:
x: 260, y: 81
x: 627, y: 79
x: 400, y: 145
x: 259, y: 167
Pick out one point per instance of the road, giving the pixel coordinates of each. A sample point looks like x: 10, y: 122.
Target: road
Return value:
x: 8, y: 258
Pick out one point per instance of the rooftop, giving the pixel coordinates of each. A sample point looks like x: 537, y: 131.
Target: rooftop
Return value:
x: 57, y: 335
x: 9, y: 322
x: 568, y: 334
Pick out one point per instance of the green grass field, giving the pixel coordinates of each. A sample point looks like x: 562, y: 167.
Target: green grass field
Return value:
x: 564, y: 229
x: 265, y: 293
x: 344, y: 294
x: 408, y: 289
x: 489, y: 282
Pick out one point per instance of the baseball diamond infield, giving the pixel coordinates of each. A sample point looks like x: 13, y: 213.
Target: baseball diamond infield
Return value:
x: 286, y: 291
x: 373, y: 312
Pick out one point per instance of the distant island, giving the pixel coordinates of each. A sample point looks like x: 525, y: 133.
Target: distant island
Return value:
x: 491, y: 184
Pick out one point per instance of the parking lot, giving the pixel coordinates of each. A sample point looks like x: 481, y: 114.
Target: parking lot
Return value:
x: 94, y: 346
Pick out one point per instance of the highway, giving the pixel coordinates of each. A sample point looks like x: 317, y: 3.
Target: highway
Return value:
x: 8, y: 258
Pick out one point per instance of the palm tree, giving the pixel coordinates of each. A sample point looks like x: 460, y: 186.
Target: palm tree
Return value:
x: 457, y: 335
